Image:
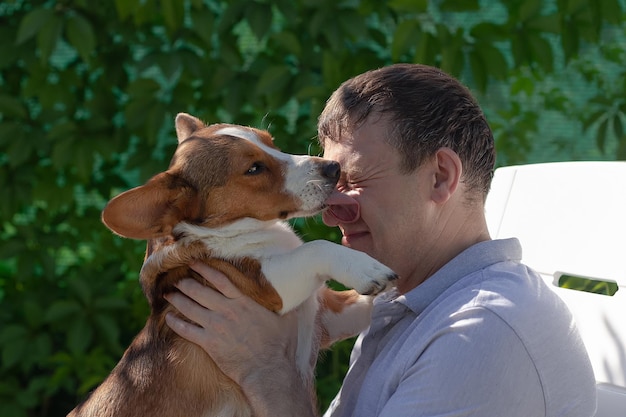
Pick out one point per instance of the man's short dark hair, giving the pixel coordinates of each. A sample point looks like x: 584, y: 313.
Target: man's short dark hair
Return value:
x: 425, y: 108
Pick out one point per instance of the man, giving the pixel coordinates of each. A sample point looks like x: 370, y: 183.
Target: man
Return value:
x: 468, y: 330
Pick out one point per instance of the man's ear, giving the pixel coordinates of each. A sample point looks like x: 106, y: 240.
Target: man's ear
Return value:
x: 186, y: 124
x: 448, y: 171
x: 151, y: 210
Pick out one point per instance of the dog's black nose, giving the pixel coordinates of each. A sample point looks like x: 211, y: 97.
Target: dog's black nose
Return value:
x: 331, y: 170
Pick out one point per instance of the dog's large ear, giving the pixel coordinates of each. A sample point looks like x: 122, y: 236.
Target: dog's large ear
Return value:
x: 186, y: 124
x: 151, y: 210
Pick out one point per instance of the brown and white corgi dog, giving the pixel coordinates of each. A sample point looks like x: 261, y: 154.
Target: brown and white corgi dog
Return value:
x: 223, y: 201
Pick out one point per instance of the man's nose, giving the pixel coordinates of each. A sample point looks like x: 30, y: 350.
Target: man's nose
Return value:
x: 342, y: 209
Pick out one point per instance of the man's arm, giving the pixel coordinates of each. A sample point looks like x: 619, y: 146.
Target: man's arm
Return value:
x: 252, y: 345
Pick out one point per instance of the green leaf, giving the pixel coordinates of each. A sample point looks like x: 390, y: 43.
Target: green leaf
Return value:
x: 541, y: 51
x: 497, y: 66
x: 109, y: 328
x: 84, y: 162
x: 428, y: 48
x: 545, y: 23
x: 593, y: 118
x: 273, y: 79
x: 601, y: 135
x: 173, y: 13
x: 62, y: 151
x: 79, y: 336
x: 33, y: 313
x: 460, y: 5
x: 405, y: 38
x: 620, y: 154
x: 48, y: 37
x: 575, y: 6
x: 523, y: 84
x: 259, y: 17
x: 452, y: 58
x: 488, y: 31
x: 62, y: 309
x: 32, y: 23
x: 352, y: 25
x: 617, y: 126
x: 42, y: 346
x: 143, y: 87
x: 611, y: 11
x: 288, y: 41
x: 411, y: 6
x: 13, y: 352
x: 20, y: 149
x: 81, y: 36
x: 82, y: 290
x: 202, y: 22
x: 231, y: 15
x: 331, y: 70
x: 529, y: 9
x: 62, y: 129
x: 570, y: 40
x: 13, y: 410
x: 478, y: 70
x: 126, y: 8
x: 12, y: 332
x: 12, y: 107
x: 110, y: 303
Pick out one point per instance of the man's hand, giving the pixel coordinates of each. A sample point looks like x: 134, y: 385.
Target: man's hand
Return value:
x: 252, y: 345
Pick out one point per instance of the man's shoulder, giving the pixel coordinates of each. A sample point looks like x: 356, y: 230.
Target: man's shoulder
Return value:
x: 506, y: 291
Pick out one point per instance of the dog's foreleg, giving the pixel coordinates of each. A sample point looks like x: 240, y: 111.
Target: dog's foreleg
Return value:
x: 343, y: 314
x: 297, y: 274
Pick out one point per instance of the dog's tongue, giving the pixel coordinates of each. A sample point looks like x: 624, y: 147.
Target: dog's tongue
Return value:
x: 337, y: 198
x: 341, y: 208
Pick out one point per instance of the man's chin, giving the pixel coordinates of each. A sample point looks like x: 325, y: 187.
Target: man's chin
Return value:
x: 358, y: 241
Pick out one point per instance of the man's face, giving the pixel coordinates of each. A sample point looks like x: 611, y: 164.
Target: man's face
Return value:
x: 381, y: 211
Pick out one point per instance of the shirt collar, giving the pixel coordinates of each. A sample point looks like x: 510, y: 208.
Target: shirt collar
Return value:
x: 474, y: 258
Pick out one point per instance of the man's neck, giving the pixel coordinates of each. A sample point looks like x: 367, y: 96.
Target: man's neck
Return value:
x: 462, y: 233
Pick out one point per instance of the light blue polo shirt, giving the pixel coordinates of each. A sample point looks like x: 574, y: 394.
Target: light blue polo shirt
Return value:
x: 483, y: 336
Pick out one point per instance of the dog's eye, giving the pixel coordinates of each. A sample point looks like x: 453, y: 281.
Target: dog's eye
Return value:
x: 255, y: 169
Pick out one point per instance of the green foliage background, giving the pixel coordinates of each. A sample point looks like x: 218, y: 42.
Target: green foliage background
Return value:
x: 89, y: 91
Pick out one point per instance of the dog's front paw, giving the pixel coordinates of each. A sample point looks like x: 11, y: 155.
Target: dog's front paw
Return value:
x: 366, y: 275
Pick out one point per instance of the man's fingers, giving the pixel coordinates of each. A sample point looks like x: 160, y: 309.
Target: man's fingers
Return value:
x: 184, y: 329
x: 194, y: 311
x: 219, y: 280
x: 201, y: 294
